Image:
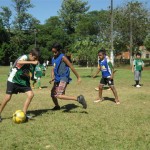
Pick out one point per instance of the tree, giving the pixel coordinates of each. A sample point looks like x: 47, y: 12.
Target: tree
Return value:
x: 70, y: 13
x: 147, y: 42
x: 5, y: 15
x: 130, y: 20
x: 23, y: 20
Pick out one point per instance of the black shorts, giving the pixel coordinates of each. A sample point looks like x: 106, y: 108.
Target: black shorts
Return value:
x: 106, y: 81
x: 13, y: 88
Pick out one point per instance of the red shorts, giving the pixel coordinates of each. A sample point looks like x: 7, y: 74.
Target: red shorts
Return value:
x: 58, y: 88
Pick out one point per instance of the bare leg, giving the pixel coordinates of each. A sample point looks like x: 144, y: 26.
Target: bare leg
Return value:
x: 30, y: 95
x: 99, y: 94
x: 67, y: 97
x: 5, y: 101
x: 115, y: 94
x: 100, y: 91
x: 55, y: 101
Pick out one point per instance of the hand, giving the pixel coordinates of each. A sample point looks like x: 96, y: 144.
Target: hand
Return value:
x: 111, y: 77
x: 51, y: 81
x: 35, y: 62
x: 78, y: 80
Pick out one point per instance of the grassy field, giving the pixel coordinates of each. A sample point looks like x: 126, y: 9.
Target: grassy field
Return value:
x: 102, y: 126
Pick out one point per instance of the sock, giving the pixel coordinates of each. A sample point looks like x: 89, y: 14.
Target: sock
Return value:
x: 137, y: 82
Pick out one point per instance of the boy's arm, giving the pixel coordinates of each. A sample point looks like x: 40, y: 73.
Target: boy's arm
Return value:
x: 66, y: 61
x: 21, y: 62
x: 52, y: 76
x: 97, y: 72
x: 112, y: 69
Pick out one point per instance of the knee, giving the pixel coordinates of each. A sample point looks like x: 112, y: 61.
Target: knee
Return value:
x: 100, y: 87
x: 31, y: 95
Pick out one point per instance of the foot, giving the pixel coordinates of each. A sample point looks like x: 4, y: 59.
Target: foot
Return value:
x: 0, y: 119
x: 40, y: 88
x: 29, y: 117
x: 82, y: 101
x: 138, y: 86
x: 117, y: 102
x: 97, y: 89
x: 99, y: 100
x: 56, y: 108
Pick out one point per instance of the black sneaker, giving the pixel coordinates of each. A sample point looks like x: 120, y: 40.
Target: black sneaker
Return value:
x: 82, y: 101
x: 0, y: 119
x: 56, y: 108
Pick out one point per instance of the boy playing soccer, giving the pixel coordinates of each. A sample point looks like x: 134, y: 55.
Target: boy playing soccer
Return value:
x: 61, y: 76
x: 137, y: 68
x: 19, y: 79
x: 106, y: 68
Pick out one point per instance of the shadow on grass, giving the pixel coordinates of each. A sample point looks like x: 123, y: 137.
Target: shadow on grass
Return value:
x: 38, y: 112
x: 44, y: 87
x: 69, y: 109
x: 109, y: 99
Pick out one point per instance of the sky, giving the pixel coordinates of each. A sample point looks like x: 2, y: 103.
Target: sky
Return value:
x: 44, y: 9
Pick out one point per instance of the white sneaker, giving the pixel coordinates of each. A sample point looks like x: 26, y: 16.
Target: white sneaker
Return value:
x: 138, y: 86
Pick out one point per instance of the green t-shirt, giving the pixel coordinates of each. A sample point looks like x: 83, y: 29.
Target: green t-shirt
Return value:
x: 38, y: 70
x: 138, y: 64
x: 20, y: 74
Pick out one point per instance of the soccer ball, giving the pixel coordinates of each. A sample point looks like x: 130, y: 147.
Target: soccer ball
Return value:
x: 19, y: 116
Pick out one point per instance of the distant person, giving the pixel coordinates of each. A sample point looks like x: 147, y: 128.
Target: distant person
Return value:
x: 38, y: 75
x: 137, y: 68
x: 61, y: 77
x: 47, y: 63
x: 105, y: 66
x: 97, y: 88
x: 19, y: 80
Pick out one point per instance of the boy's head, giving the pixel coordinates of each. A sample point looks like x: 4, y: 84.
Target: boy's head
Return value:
x: 56, y: 49
x: 138, y: 55
x: 34, y: 54
x: 101, y: 54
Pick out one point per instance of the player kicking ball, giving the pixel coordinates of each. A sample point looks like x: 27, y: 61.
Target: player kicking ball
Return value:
x: 61, y: 76
x: 105, y: 66
x: 19, y: 80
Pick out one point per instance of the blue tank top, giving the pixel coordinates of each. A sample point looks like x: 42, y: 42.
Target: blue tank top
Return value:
x: 105, y: 68
x: 61, y: 70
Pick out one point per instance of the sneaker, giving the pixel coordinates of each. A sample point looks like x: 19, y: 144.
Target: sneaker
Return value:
x: 99, y: 100
x: 0, y: 119
x: 40, y: 88
x: 56, y: 108
x: 29, y: 117
x: 82, y: 101
x: 138, y: 86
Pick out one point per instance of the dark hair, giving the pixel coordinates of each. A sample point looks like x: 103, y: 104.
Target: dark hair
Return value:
x: 138, y: 54
x: 103, y: 51
x: 35, y: 52
x: 57, y: 46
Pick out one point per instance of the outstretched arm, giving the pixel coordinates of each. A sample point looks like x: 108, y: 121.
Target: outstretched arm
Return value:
x: 66, y: 61
x: 22, y: 62
x: 97, y: 72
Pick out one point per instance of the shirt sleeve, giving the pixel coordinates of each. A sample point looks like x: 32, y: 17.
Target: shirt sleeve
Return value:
x: 24, y: 57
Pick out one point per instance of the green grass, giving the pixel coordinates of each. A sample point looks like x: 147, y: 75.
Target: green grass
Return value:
x: 103, y: 126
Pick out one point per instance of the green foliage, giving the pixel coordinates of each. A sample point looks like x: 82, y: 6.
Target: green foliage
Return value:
x: 70, y: 13
x: 5, y: 15
x: 134, y: 15
x: 147, y: 42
